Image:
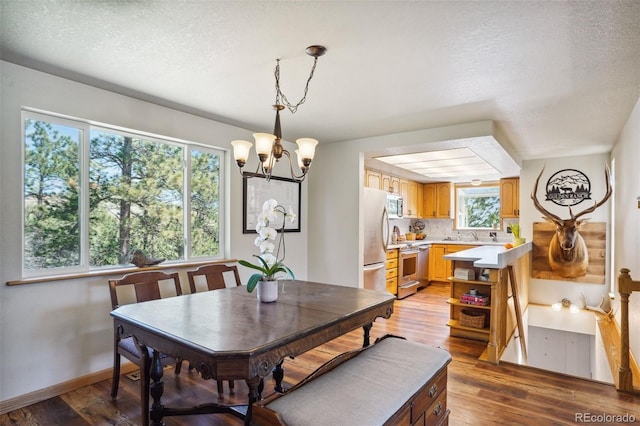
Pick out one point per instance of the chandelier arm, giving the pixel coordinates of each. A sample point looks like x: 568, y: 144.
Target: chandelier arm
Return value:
x: 281, y: 96
x: 294, y: 176
x: 250, y: 175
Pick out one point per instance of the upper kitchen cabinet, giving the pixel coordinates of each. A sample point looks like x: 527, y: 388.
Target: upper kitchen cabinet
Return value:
x: 510, y: 197
x: 411, y: 199
x: 378, y: 180
x: 391, y: 184
x: 372, y: 179
x: 437, y: 200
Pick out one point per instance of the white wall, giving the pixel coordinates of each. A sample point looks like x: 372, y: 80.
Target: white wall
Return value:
x: 626, y: 154
x: 552, y: 291
x: 57, y: 331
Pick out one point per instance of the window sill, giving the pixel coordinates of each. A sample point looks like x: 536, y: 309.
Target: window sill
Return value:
x: 110, y: 272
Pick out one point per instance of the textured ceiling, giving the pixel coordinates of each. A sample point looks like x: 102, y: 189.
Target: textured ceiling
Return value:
x: 558, y: 78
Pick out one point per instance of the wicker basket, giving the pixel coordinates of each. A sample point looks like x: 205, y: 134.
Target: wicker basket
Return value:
x: 472, y: 318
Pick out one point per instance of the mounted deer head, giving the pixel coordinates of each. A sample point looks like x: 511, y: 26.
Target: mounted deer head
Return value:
x: 568, y: 255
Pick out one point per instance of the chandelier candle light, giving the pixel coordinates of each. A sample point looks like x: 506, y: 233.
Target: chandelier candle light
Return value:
x: 270, y: 264
x: 269, y: 146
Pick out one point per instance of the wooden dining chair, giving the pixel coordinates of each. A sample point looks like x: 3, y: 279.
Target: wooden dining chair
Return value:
x: 214, y: 276
x: 139, y: 287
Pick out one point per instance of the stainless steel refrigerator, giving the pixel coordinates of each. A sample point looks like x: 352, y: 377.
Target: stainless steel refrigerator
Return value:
x: 376, y: 238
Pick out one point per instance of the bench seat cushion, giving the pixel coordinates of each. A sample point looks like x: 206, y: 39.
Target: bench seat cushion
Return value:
x: 378, y: 382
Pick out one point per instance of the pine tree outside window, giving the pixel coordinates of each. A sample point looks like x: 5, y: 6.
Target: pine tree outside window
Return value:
x: 93, y: 194
x: 477, y: 207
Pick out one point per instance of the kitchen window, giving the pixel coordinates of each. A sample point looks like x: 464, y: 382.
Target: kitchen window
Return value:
x: 477, y: 207
x: 93, y: 194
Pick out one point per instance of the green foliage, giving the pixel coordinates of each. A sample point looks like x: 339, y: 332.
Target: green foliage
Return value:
x: 266, y: 271
x: 52, y: 231
x: 483, y: 212
x: 136, y: 198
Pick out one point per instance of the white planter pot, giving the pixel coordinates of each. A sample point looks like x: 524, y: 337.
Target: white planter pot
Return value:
x: 267, y: 291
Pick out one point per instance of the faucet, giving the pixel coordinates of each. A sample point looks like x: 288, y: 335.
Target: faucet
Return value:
x: 474, y: 235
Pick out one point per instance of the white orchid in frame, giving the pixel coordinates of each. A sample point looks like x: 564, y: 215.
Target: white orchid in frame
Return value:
x: 270, y: 264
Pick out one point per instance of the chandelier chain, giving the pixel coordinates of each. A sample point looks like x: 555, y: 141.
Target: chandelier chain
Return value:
x: 281, y: 99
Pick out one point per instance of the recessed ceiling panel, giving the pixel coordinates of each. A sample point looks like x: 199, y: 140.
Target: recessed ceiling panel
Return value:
x: 443, y: 164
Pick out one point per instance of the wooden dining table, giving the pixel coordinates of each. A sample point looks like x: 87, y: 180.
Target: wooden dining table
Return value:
x: 229, y: 335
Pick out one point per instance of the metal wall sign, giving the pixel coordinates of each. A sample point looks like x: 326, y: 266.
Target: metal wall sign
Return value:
x: 568, y: 187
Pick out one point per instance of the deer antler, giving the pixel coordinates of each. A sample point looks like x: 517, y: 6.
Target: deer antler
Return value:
x: 538, y: 206
x: 607, y: 179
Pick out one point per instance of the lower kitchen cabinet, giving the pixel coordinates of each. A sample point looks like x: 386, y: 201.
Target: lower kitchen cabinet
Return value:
x: 437, y: 265
x: 441, y: 269
x: 392, y: 271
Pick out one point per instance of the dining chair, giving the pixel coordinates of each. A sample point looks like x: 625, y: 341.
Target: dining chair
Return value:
x: 215, y: 278
x: 133, y: 288
x: 215, y: 275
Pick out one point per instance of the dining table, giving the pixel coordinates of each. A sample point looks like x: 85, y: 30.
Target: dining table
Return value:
x: 228, y: 334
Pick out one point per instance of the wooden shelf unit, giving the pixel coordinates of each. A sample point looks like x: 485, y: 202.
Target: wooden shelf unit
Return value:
x: 494, y: 331
x: 458, y: 288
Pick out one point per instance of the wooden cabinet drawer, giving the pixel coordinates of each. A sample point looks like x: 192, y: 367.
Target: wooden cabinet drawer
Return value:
x: 431, y: 393
x: 392, y: 273
x: 437, y: 411
x: 392, y: 263
x: 392, y: 254
x: 392, y: 285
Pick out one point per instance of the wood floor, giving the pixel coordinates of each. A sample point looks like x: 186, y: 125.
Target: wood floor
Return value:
x: 478, y: 393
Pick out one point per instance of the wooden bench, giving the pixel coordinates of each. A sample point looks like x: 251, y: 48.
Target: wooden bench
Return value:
x: 393, y: 382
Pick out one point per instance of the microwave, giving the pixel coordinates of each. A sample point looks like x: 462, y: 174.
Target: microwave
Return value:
x: 394, y: 206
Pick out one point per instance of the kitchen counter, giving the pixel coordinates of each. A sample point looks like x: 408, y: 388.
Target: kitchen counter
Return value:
x: 415, y: 243
x: 491, y: 256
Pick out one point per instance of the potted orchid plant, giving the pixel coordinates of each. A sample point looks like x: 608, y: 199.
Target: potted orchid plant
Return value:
x: 270, y: 260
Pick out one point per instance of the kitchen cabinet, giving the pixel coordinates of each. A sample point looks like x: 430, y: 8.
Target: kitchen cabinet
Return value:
x: 510, y: 197
x: 413, y: 199
x: 441, y: 269
x: 390, y: 184
x: 378, y: 180
x: 392, y: 271
x: 437, y: 266
x: 436, y: 200
x: 372, y: 179
x: 409, y: 193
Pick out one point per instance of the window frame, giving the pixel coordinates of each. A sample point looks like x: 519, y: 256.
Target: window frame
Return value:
x: 86, y: 126
x: 457, y: 186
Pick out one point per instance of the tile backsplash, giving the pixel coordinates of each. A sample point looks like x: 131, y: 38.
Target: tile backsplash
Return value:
x: 441, y: 228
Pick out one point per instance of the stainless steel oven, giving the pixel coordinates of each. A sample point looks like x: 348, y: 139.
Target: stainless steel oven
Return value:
x: 408, y: 273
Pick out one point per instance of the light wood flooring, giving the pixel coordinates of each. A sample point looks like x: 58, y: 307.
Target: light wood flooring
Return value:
x: 478, y: 393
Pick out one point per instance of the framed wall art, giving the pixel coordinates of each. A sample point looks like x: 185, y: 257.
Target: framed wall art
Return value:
x: 256, y: 190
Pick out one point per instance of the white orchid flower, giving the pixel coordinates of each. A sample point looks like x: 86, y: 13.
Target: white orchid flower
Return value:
x: 269, y: 259
x: 260, y: 226
x: 291, y: 214
x: 258, y: 241
x: 266, y: 247
x: 268, y: 233
x: 269, y: 205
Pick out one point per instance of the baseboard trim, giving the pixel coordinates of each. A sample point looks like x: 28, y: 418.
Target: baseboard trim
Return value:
x: 61, y: 388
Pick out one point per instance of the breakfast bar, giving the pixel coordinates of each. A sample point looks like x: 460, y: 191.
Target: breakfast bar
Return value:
x: 488, y: 295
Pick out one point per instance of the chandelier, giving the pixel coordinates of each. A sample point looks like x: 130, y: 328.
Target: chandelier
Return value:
x: 269, y: 146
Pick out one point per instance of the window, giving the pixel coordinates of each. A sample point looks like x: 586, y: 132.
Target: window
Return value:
x: 477, y: 207
x: 93, y: 194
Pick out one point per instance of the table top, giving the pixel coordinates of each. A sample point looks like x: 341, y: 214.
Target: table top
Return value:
x: 233, y: 321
